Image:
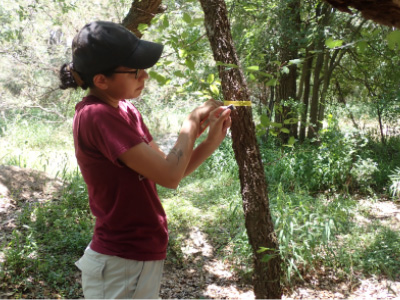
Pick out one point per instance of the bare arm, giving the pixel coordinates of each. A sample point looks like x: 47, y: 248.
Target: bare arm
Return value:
x: 168, y: 170
x: 156, y: 147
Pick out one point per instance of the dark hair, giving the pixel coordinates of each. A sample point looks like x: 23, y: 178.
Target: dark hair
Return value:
x: 68, y: 81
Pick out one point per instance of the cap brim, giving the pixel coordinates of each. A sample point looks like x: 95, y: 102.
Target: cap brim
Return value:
x: 145, y: 55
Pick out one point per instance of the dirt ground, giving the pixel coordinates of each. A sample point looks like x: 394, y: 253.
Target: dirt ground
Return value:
x: 204, y: 276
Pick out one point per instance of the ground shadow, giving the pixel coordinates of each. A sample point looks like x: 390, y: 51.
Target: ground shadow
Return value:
x: 20, y: 187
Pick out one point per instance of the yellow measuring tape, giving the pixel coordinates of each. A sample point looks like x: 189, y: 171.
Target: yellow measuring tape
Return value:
x: 238, y: 103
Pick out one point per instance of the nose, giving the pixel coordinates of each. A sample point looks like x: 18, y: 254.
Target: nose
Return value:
x: 143, y: 74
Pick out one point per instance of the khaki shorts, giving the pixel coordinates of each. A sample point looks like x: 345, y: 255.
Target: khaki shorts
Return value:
x: 112, y: 277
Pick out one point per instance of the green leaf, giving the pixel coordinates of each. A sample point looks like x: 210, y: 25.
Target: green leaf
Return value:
x: 190, y: 64
x: 266, y: 74
x: 210, y: 78
x: 285, y: 70
x: 214, y: 89
x: 272, y: 82
x: 285, y: 130
x: 291, y: 142
x: 253, y: 68
x: 277, y: 125
x: 166, y: 22
x: 161, y: 79
x: 187, y: 18
x: 331, y: 43
x: 263, y: 249
x: 361, y: 46
x: 273, y: 133
x: 179, y: 74
x: 182, y: 53
x: 393, y: 39
x: 142, y: 27
x: 185, y: 35
x: 167, y: 62
x: 290, y: 121
x: 265, y: 120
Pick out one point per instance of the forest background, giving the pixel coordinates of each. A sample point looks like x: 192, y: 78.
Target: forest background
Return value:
x: 325, y: 88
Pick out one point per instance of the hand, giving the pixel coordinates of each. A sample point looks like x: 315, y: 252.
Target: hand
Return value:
x: 220, y: 121
x: 203, y: 111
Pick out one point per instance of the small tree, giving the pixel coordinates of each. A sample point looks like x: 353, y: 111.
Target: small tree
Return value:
x: 258, y: 219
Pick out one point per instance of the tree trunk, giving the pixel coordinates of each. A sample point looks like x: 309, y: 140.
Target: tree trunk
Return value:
x: 307, y: 81
x: 142, y: 12
x: 325, y: 80
x: 328, y: 71
x: 323, y: 12
x: 258, y: 219
x: 379, y: 111
x: 312, y: 130
x: 289, y: 16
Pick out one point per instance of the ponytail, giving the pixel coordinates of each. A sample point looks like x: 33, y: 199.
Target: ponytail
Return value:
x: 70, y: 78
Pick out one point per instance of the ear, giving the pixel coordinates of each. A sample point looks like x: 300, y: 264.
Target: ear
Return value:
x: 100, y: 81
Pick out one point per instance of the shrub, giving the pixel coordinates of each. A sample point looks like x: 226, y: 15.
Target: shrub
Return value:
x: 306, y: 228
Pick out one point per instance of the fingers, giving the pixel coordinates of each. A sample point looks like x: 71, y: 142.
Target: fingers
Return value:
x: 227, y: 124
x: 220, y: 118
x: 204, y: 110
x: 221, y: 111
x: 220, y: 121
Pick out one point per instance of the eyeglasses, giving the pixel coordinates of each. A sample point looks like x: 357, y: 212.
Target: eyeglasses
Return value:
x: 136, y: 72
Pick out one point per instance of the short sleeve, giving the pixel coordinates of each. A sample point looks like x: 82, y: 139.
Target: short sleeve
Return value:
x: 110, y: 131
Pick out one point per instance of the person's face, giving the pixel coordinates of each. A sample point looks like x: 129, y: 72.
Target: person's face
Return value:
x: 126, y: 85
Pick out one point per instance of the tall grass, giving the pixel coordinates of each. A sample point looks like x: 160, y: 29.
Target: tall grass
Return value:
x: 37, y: 141
x: 341, y: 162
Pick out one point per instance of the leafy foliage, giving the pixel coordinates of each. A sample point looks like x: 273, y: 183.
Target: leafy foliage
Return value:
x: 48, y: 238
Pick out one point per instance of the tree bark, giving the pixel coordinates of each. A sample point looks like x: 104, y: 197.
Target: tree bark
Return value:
x: 379, y: 111
x: 307, y: 88
x: 315, y: 95
x: 142, y: 12
x: 259, y: 225
x: 386, y: 12
x: 286, y: 89
x: 323, y: 12
x: 325, y: 84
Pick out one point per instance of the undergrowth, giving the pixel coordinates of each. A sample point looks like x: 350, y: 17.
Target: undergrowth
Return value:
x: 311, y: 194
x: 48, y: 239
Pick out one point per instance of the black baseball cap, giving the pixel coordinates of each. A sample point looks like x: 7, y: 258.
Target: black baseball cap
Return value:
x: 101, y: 46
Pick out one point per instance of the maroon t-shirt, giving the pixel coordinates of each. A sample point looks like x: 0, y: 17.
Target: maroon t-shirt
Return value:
x: 130, y: 220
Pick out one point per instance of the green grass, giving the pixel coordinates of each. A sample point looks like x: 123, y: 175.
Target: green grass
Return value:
x: 40, y: 144
x: 371, y: 249
x: 49, y: 237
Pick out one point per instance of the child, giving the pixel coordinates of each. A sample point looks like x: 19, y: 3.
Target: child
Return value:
x: 121, y: 163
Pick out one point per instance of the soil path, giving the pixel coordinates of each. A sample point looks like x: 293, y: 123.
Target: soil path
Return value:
x: 20, y: 187
x: 204, y: 275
